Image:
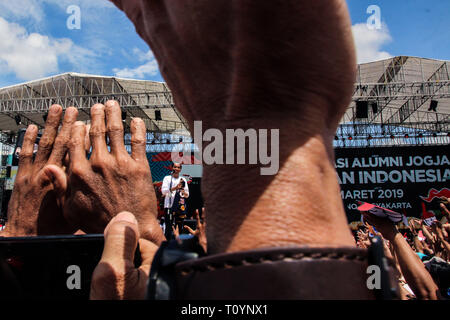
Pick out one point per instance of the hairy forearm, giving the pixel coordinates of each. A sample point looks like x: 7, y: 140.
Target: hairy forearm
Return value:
x: 414, y: 271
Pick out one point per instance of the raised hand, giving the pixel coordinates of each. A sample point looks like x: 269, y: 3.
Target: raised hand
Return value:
x: 297, y: 75
x: 176, y: 232
x: 110, y: 181
x: 446, y: 230
x: 436, y: 227
x: 36, y: 203
x: 200, y: 232
x: 384, y: 225
x: 372, y: 230
x: 412, y: 226
x: 444, y: 209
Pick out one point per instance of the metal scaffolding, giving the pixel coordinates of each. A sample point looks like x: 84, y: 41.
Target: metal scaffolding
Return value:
x: 398, y: 94
x: 32, y: 100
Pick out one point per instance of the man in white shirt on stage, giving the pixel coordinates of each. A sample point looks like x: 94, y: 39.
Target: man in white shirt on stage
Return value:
x: 175, y: 190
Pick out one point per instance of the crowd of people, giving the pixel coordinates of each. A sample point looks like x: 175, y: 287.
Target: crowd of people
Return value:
x: 420, y: 256
x: 291, y: 66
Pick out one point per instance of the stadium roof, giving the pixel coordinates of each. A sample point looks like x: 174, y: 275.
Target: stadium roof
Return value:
x: 139, y: 98
x: 398, y: 91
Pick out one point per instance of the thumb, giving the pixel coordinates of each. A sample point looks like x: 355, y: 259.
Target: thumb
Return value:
x: 121, y: 238
x: 189, y: 230
x: 56, y: 176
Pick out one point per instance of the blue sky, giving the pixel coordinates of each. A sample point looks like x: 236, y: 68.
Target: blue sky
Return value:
x: 35, y: 41
x: 418, y: 28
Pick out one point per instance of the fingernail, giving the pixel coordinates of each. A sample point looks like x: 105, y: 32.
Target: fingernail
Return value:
x: 55, y: 109
x: 126, y: 217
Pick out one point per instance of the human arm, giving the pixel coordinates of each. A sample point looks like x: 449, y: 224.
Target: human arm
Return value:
x: 186, y: 189
x: 200, y: 232
x: 363, y: 239
x: 35, y: 207
x: 444, y: 209
x: 427, y: 234
x: 412, y: 268
x: 438, y: 230
x: 110, y: 181
x: 176, y: 231
x: 446, y: 229
x: 305, y: 141
x: 229, y: 84
x: 165, y: 187
x: 417, y: 243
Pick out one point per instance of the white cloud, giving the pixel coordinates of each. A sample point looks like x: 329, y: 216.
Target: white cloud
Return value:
x: 31, y: 56
x: 369, y: 43
x: 149, y: 68
x: 32, y: 9
x: 22, y: 9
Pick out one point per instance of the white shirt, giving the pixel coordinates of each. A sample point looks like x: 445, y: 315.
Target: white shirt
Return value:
x: 170, y: 196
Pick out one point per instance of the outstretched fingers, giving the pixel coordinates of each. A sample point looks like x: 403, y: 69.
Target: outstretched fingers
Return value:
x: 114, y: 127
x: 197, y: 217
x: 26, y: 154
x: 138, y: 140
x: 87, y: 140
x: 189, y: 229
x: 49, y: 135
x: 61, y: 144
x: 97, y: 133
x: 77, y: 145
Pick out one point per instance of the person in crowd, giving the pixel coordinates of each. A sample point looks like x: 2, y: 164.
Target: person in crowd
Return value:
x: 175, y: 191
x: 260, y: 80
x: 432, y: 250
x: 200, y: 232
x: 412, y: 268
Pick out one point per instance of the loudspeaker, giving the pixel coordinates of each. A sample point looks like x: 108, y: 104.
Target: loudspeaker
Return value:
x: 362, y: 109
x: 158, y: 115
x: 374, y: 107
x: 433, y: 106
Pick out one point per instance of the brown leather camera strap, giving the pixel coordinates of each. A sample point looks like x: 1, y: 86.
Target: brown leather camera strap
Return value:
x: 282, y: 273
